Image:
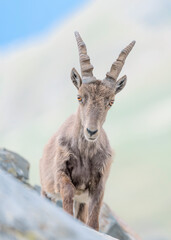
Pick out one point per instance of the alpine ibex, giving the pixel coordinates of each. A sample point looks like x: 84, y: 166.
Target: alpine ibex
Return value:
x: 76, y: 161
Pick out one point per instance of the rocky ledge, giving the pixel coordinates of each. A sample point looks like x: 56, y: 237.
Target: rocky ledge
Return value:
x: 24, y: 214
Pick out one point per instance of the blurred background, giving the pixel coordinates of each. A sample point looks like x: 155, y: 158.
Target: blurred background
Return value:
x: 37, y: 53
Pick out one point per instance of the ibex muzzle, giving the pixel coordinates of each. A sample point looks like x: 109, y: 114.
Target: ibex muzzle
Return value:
x: 91, y: 129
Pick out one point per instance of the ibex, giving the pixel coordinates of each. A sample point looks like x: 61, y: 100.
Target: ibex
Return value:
x: 76, y: 161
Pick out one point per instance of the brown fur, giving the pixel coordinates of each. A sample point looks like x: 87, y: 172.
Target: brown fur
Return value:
x: 76, y: 161
x: 71, y: 164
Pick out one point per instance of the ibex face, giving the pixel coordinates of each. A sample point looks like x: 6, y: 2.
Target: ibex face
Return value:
x: 96, y: 97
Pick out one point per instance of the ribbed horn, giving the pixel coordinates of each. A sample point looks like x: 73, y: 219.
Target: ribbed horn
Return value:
x: 86, y: 67
x: 118, y: 64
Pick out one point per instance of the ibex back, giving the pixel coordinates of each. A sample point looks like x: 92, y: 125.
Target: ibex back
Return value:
x: 76, y: 161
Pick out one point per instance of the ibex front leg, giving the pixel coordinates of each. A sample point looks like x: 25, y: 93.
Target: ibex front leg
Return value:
x: 81, y: 211
x: 94, y: 208
x: 67, y: 191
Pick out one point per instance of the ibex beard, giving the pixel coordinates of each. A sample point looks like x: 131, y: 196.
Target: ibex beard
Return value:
x: 76, y: 161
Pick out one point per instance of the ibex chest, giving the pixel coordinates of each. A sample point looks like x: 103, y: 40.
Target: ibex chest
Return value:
x: 84, y: 171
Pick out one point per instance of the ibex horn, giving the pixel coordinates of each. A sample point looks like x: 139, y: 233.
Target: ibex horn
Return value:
x: 118, y: 64
x: 86, y: 67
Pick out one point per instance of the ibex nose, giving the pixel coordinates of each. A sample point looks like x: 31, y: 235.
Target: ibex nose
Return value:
x: 91, y: 132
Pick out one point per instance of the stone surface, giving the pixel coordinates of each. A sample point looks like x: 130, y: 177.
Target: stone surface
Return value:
x: 33, y: 216
x: 14, y: 164
x: 26, y: 215
x: 112, y: 225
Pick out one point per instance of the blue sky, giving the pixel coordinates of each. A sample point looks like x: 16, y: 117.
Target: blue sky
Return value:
x: 20, y: 19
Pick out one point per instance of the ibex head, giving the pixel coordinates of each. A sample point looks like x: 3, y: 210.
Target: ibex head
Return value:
x: 95, y: 96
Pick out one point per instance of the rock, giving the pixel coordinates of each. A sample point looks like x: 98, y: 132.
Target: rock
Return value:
x: 114, y: 226
x: 26, y: 215
x: 14, y: 164
x: 17, y: 166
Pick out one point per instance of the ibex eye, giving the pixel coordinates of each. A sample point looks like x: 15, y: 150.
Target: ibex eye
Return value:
x: 111, y: 103
x: 79, y: 99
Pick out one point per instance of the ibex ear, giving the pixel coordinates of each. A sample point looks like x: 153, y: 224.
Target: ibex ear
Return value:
x: 76, y: 79
x: 120, y: 84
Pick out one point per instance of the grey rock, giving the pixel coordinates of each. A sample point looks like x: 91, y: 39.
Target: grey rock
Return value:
x: 14, y: 164
x: 37, y: 189
x: 17, y: 166
x: 26, y: 215
x: 112, y: 225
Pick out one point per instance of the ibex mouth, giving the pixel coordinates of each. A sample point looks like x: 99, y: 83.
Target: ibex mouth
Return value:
x: 91, y: 139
